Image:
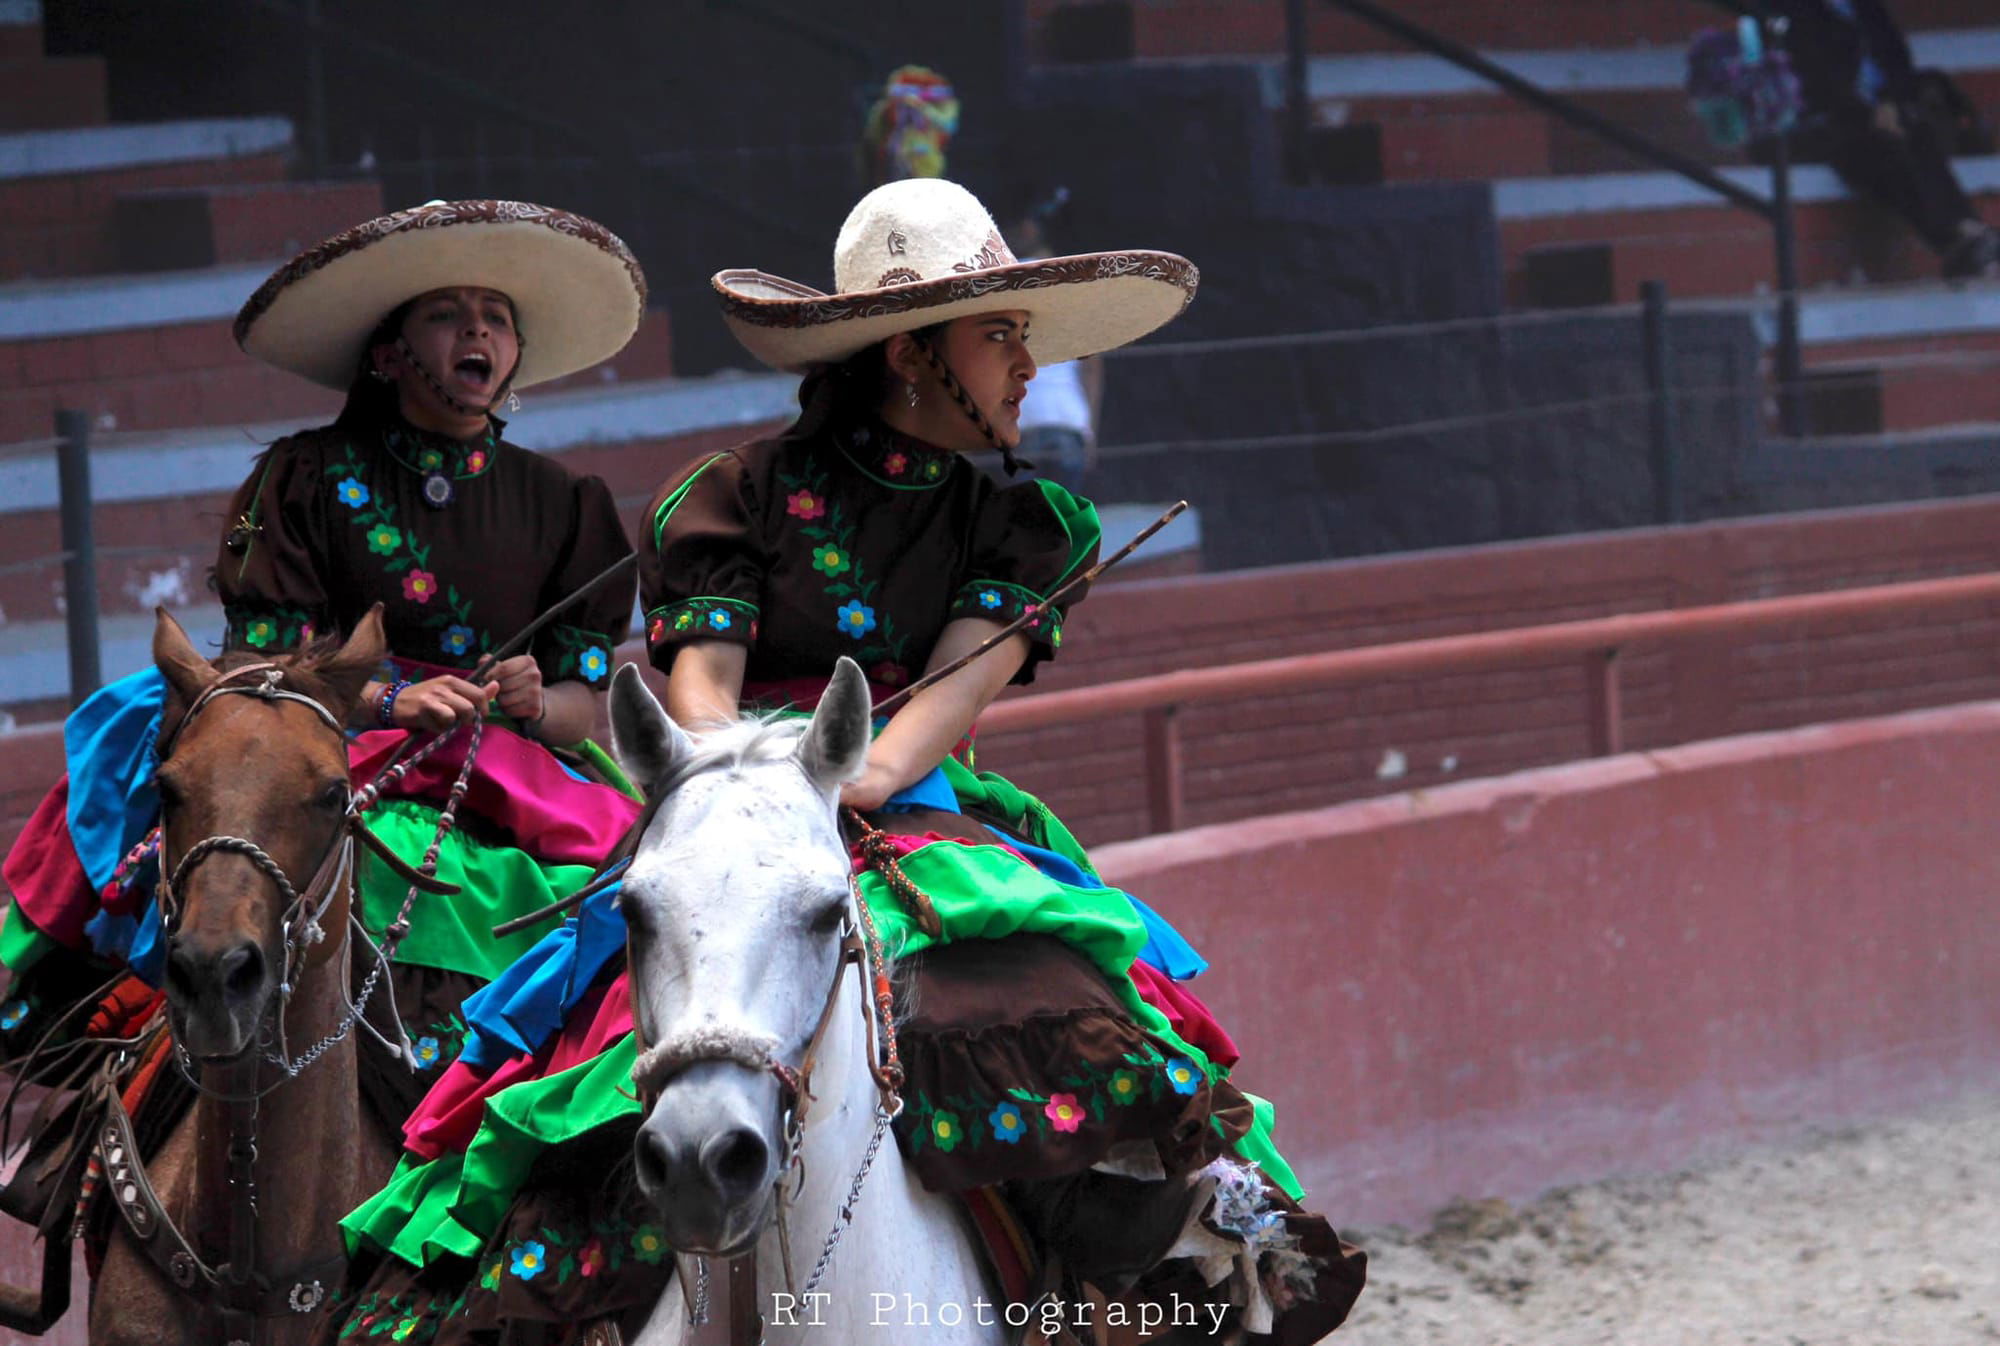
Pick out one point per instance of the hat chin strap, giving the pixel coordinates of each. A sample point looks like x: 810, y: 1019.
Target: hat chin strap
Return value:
x: 952, y: 386
x: 436, y: 385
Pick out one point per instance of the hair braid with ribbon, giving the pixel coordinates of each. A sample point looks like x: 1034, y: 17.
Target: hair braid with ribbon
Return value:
x: 956, y: 390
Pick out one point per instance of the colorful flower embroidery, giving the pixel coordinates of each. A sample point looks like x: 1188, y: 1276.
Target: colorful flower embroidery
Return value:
x: 945, y: 1131
x: 420, y: 586
x: 427, y: 1052
x: 590, y: 1259
x: 456, y: 639
x: 856, y: 618
x: 933, y: 469
x: 647, y: 1244
x: 430, y: 459
x: 1182, y: 1075
x: 401, y: 553
x: 896, y: 463
x: 805, y: 504
x: 530, y: 1259
x: 259, y: 633
x: 383, y: 539
x: 1123, y: 1087
x: 830, y: 560
x: 491, y: 1279
x: 591, y: 663
x: 1063, y: 1112
x: 655, y: 629
x: 889, y: 675
x: 1008, y: 1124
x: 12, y: 1013
x: 410, y: 1322
x: 475, y: 462
x: 718, y: 619
x: 352, y: 493
x: 989, y: 598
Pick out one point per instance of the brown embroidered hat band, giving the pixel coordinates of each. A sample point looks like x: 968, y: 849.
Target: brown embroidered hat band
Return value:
x: 577, y: 290
x: 924, y: 251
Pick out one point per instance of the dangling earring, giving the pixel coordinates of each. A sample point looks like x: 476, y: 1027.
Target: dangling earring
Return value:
x: 513, y: 401
x: 913, y: 395
x: 378, y: 375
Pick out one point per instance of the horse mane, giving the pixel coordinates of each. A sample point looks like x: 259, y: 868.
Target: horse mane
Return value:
x: 753, y: 739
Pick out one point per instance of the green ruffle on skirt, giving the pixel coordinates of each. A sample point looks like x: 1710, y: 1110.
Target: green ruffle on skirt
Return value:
x: 453, y: 1204
x: 497, y: 883
x: 22, y: 942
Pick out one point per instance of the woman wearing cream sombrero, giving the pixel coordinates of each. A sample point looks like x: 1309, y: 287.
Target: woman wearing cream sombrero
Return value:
x: 859, y: 532
x: 413, y: 500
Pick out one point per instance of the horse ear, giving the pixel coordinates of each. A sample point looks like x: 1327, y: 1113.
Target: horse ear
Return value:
x: 835, y: 745
x: 645, y: 738
x: 179, y: 662
x: 350, y: 667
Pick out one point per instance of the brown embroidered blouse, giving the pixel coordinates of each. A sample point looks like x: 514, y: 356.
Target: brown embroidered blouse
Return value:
x: 853, y: 540
x: 463, y: 542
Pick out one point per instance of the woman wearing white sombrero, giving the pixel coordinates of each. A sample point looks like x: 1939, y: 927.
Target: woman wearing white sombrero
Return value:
x: 412, y: 499
x: 858, y: 532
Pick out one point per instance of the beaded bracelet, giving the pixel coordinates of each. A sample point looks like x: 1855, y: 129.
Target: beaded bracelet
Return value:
x: 387, y: 705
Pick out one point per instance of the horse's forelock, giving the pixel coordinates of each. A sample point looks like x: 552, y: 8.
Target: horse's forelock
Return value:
x: 751, y: 740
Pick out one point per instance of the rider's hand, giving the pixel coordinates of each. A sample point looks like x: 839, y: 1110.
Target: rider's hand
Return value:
x: 439, y: 703
x: 520, y: 683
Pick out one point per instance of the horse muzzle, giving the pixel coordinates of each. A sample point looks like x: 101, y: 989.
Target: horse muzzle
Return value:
x: 708, y: 1157
x: 218, y: 990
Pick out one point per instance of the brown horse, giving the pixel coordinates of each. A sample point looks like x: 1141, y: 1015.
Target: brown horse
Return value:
x: 257, y: 858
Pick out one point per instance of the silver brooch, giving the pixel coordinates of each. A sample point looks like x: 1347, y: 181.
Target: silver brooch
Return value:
x: 438, y: 490
x: 307, y: 1297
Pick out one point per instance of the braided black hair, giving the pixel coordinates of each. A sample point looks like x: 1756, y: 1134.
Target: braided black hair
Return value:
x: 952, y: 386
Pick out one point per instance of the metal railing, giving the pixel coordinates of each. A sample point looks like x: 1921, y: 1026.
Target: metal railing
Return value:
x: 1598, y: 641
x: 1775, y: 210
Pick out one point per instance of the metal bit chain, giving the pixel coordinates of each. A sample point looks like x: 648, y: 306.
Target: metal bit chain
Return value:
x: 846, y: 1216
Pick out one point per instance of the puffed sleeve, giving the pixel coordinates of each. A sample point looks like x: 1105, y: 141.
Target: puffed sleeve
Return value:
x: 270, y: 565
x: 1027, y: 542
x: 701, y: 559
x: 577, y: 646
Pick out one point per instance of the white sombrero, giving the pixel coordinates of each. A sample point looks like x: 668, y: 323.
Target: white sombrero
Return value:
x: 924, y: 251
x: 578, y: 292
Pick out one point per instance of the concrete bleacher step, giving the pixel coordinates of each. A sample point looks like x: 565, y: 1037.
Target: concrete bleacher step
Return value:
x: 59, y: 189
x: 1096, y: 30
x: 154, y: 352
x: 1436, y: 122
x: 1629, y: 227
x: 177, y: 228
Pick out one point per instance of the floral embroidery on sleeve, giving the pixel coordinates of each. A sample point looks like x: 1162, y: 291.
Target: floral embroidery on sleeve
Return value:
x: 1001, y: 602
x: 703, y: 618
x: 268, y: 627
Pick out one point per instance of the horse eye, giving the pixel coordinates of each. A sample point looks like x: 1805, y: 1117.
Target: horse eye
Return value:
x: 333, y: 795
x: 828, y: 918
x: 170, y: 793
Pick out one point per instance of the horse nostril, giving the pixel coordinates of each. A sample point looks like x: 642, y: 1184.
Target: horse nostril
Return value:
x: 649, y: 1154
x: 242, y: 970
x: 735, y: 1161
x: 181, y: 974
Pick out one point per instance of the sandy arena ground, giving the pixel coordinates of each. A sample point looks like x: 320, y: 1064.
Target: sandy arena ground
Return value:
x: 1883, y: 1235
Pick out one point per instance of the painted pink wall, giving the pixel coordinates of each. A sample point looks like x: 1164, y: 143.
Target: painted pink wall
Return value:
x: 1502, y: 985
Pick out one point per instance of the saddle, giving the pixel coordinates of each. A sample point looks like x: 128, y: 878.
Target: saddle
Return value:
x: 113, y: 1070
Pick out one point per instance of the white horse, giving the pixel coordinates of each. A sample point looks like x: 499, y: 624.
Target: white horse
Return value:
x: 739, y: 906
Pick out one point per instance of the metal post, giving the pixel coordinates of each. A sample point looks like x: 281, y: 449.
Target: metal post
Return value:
x: 1607, y: 708
x: 79, y: 553
x: 316, y: 92
x: 1791, y: 418
x: 1659, y: 358
x: 1298, y: 115
x: 1165, y: 803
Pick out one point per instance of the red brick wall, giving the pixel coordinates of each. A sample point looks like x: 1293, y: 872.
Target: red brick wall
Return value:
x: 1502, y: 985
x: 1257, y: 757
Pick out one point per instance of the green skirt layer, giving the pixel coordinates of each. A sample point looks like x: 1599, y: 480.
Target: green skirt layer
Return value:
x: 496, y: 882
x: 454, y: 1204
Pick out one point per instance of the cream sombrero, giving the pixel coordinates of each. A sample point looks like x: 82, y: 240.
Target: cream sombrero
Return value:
x: 577, y: 290
x: 924, y: 251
